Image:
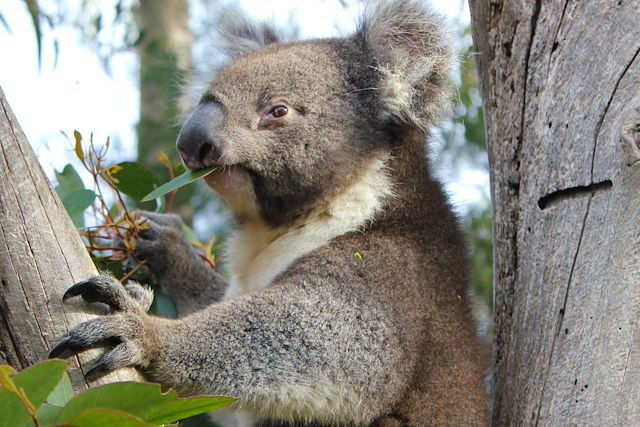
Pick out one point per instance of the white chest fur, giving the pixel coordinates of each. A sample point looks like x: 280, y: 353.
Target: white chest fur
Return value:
x: 257, y: 253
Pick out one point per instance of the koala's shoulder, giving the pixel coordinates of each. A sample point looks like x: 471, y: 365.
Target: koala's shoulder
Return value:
x: 369, y: 258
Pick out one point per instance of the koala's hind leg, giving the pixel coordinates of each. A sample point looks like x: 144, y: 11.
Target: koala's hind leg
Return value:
x: 190, y: 282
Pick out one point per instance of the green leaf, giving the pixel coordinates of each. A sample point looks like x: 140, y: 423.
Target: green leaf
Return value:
x: 74, y: 197
x: 68, y: 181
x: 143, y: 400
x: 76, y: 203
x: 179, y: 181
x: 37, y: 381
x: 62, y: 393
x: 46, y: 415
x: 163, y: 305
x: 189, y: 233
x: 114, y: 211
x: 12, y: 410
x: 133, y: 179
x: 100, y: 417
x: 105, y: 263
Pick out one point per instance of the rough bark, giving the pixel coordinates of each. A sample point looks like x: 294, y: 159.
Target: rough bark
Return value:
x: 41, y: 255
x: 561, y: 87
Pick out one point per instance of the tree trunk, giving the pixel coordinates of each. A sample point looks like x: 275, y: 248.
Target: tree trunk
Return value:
x: 41, y: 255
x: 165, y: 56
x: 561, y: 88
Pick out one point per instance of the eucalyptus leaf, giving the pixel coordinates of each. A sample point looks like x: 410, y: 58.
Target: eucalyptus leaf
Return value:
x: 179, y: 181
x: 13, y: 411
x: 76, y: 203
x: 75, y: 198
x: 46, y: 414
x: 105, y: 263
x: 37, y: 382
x: 189, y: 233
x: 62, y: 393
x: 133, y: 179
x: 100, y: 417
x: 68, y: 181
x: 142, y: 400
x: 163, y: 305
x: 114, y: 211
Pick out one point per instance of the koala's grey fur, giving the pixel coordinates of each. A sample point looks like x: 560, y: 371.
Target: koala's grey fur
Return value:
x: 348, y: 302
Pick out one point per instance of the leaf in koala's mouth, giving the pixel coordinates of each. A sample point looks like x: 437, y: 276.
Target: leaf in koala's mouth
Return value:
x: 177, y: 182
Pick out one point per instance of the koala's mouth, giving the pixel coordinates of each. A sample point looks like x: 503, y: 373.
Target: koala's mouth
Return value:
x: 228, y: 179
x: 234, y: 185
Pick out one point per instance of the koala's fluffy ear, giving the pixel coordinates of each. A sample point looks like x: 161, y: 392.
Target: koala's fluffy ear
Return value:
x: 241, y: 36
x: 413, y: 55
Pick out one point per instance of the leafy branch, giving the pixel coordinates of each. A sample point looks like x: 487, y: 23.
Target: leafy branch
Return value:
x: 42, y: 396
x: 114, y: 227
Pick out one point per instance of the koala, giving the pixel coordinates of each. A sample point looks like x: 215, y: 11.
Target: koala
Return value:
x: 348, y: 300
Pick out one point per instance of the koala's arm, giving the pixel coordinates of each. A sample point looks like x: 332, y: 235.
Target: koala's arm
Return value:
x: 181, y: 273
x: 302, y: 350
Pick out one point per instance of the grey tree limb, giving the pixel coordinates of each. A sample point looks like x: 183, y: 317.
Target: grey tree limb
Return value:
x: 41, y: 255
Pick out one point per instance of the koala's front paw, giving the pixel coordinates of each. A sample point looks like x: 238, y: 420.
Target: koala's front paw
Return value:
x: 161, y: 242
x: 128, y: 330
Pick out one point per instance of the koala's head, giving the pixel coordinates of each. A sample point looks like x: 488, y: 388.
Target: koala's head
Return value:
x: 289, y: 125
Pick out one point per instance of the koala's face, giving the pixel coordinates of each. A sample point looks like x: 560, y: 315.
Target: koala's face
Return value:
x: 286, y: 126
x: 290, y: 125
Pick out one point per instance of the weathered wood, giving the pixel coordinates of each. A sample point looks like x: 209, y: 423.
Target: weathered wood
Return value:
x: 41, y: 255
x: 561, y: 87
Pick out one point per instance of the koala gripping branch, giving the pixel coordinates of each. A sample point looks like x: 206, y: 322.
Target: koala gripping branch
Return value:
x: 41, y: 255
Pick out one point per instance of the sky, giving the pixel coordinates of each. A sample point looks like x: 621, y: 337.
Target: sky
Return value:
x: 75, y: 90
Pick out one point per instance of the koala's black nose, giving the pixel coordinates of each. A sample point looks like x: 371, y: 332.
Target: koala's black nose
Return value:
x: 196, y: 141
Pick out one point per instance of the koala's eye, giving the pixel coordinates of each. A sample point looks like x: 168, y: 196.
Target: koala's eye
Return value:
x: 279, y: 111
x: 278, y: 115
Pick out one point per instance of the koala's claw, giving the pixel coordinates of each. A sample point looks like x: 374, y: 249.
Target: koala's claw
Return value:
x: 91, y: 333
x: 108, y: 290
x: 124, y: 332
x: 120, y: 356
x: 63, y: 349
x: 98, y: 289
x: 96, y: 372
